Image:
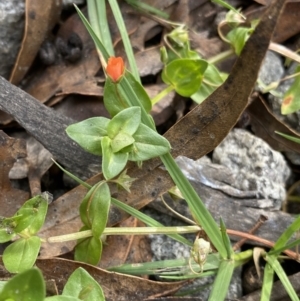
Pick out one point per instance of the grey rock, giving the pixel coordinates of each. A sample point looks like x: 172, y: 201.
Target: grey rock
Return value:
x: 11, y: 33
x: 272, y: 69
x: 255, y: 165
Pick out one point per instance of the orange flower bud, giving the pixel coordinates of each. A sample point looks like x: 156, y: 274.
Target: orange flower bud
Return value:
x: 115, y: 68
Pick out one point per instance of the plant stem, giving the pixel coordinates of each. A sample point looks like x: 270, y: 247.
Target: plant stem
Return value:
x: 221, y: 57
x: 126, y: 231
x: 161, y: 95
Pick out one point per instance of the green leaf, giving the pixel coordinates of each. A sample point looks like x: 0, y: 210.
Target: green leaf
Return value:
x: 93, y: 34
x: 89, y: 133
x: 98, y: 20
x: 113, y: 99
x: 127, y: 121
x: 274, y: 263
x: 89, y: 250
x: 116, y: 98
x: 286, y: 236
x: 33, y: 214
x: 26, y: 286
x: 7, y: 226
x: 6, y: 235
x: 21, y: 254
x: 226, y: 240
x: 85, y: 206
x: 185, y: 75
x: 112, y: 163
x: 139, y: 91
x: 39, y: 206
x: 82, y: 285
x: 291, y: 99
x: 222, y: 280
x: 267, y: 283
x: 95, y: 207
x: 99, y: 208
x: 122, y: 142
x: 238, y: 37
x: 148, y: 144
x: 211, y: 81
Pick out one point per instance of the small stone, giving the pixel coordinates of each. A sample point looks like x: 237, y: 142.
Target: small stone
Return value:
x: 255, y: 165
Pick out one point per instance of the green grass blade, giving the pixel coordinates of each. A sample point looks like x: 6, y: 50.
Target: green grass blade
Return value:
x: 200, y: 212
x: 103, y: 26
x: 98, y: 21
x: 274, y: 263
x: 133, y: 100
x: 287, y: 234
x: 222, y: 281
x: 226, y: 240
x: 267, y: 283
x: 286, y: 247
x: 292, y: 138
x: 93, y: 17
x: 144, y: 7
x: 94, y: 36
x: 125, y: 38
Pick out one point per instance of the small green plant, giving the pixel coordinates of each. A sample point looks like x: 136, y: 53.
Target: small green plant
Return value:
x: 22, y: 253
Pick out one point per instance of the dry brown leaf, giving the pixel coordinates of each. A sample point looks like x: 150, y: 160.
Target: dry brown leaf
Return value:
x: 211, y: 121
x: 289, y: 20
x: 40, y: 18
x: 264, y: 123
x: 64, y: 74
x: 10, y: 198
x: 115, y: 286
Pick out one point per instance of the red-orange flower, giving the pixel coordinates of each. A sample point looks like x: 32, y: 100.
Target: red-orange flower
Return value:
x: 115, y: 68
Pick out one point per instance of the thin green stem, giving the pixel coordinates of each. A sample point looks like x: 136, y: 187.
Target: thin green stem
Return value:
x: 161, y: 95
x: 126, y: 231
x: 221, y: 57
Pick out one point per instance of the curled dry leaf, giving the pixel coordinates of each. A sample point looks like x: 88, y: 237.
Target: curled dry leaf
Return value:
x: 65, y: 74
x: 40, y: 18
